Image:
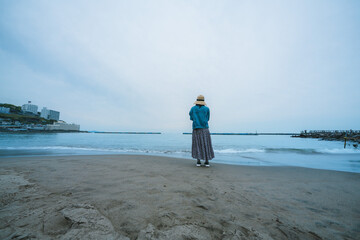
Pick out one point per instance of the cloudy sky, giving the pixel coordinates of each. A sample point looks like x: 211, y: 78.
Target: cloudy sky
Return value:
x: 139, y: 65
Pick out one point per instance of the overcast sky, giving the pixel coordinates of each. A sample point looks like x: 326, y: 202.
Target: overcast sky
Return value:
x: 139, y: 65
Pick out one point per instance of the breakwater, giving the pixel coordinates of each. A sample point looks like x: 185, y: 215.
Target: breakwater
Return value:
x: 189, y: 133
x: 125, y: 132
x: 332, y: 135
x: 246, y: 134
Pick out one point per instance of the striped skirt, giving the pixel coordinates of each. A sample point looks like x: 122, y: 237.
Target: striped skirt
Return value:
x: 201, y: 144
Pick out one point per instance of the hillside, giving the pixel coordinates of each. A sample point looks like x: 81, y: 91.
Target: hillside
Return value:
x: 17, y: 115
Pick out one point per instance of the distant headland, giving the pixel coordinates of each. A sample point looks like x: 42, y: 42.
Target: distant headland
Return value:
x: 26, y: 118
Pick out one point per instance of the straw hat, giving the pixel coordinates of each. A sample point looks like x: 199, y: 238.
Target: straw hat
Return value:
x: 200, y: 100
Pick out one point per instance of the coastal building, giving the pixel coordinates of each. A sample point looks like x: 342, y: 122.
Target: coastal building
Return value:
x: 50, y: 114
x: 29, y: 108
x: 62, y: 126
x: 4, y: 110
x: 4, y: 121
x: 36, y: 127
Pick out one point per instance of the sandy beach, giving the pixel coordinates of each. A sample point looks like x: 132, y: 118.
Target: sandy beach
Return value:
x: 150, y: 197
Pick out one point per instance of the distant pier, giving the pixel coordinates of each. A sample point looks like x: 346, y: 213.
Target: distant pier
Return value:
x: 125, y: 132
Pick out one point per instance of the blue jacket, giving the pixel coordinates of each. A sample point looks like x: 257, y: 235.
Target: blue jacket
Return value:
x: 200, y: 116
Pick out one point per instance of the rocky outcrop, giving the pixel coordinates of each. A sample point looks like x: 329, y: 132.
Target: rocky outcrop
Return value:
x: 349, y: 135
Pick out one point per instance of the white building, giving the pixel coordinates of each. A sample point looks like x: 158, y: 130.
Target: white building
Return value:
x: 29, y: 108
x: 62, y: 126
x: 4, y: 110
x: 50, y: 114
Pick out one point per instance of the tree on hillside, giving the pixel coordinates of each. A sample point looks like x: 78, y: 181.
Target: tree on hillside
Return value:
x: 13, y: 108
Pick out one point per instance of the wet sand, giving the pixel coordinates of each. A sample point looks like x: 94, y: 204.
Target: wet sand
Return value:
x: 149, y: 197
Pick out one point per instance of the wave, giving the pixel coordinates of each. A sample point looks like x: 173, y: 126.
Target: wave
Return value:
x: 231, y: 150
x: 292, y: 150
x: 313, y: 151
x: 267, y: 150
x: 227, y: 151
x: 340, y: 151
x: 114, y: 150
x: 55, y: 148
x: 289, y: 150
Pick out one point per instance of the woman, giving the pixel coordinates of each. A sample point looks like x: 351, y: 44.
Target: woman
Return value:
x: 201, y: 140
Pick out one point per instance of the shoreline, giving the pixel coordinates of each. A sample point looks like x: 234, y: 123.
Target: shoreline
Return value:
x: 45, y: 154
x: 152, y: 197
x: 28, y: 131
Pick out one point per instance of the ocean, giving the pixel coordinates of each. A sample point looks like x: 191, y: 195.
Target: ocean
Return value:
x: 254, y: 150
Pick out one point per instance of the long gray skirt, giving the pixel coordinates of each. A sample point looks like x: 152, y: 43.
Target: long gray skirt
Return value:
x: 201, y: 144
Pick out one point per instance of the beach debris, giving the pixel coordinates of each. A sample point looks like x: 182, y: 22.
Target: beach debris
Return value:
x: 203, y: 207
